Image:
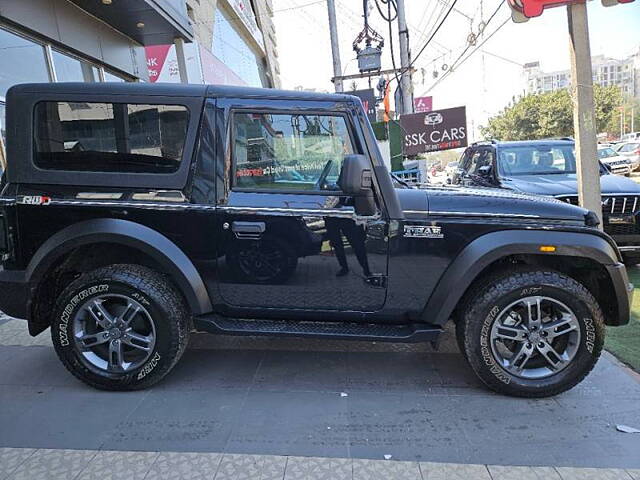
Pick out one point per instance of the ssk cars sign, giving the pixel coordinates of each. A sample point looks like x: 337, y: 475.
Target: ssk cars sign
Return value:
x: 434, y: 131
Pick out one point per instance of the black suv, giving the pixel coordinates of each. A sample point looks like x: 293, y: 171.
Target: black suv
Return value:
x: 132, y: 214
x: 548, y: 167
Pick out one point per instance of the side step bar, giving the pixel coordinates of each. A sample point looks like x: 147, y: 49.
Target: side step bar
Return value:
x: 413, y: 333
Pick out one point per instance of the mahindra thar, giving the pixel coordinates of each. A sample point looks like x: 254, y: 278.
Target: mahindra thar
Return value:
x: 132, y: 215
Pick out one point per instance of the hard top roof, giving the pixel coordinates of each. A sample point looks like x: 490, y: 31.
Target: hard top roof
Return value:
x: 528, y: 143
x: 173, y: 89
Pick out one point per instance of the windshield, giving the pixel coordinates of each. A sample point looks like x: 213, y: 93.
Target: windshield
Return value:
x: 536, y: 160
x: 606, y: 153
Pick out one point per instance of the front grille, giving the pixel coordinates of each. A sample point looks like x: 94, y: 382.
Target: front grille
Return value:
x: 612, y: 204
x: 622, y: 229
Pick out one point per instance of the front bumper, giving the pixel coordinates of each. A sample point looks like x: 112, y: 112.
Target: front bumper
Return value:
x: 623, y: 290
x: 14, y: 293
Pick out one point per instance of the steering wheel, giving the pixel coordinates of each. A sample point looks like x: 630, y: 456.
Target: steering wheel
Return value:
x: 321, y: 184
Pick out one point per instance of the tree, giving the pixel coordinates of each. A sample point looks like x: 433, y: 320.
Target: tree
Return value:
x: 550, y: 114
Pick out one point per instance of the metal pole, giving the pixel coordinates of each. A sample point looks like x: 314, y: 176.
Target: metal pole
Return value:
x: 633, y: 123
x: 182, y: 60
x: 584, y: 120
x: 406, y: 85
x: 335, y: 48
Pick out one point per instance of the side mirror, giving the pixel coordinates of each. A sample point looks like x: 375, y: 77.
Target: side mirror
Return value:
x: 356, y: 180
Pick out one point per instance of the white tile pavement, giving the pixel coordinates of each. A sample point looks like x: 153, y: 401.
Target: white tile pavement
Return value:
x: 52, y: 464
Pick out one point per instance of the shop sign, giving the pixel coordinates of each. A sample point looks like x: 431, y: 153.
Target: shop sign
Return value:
x: 162, y: 63
x: 434, y: 131
x: 423, y: 104
x: 243, y: 9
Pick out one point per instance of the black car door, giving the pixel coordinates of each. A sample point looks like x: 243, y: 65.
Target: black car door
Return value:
x: 290, y: 239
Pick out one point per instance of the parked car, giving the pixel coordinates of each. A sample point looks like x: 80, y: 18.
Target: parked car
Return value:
x: 617, y: 164
x: 548, y: 167
x: 195, y: 207
x: 631, y: 150
x: 630, y: 137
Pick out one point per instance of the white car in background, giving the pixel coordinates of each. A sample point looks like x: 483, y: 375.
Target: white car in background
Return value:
x: 618, y: 164
x: 631, y: 150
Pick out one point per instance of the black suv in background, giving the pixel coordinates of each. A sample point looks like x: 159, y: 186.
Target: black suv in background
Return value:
x: 548, y: 167
x: 133, y: 214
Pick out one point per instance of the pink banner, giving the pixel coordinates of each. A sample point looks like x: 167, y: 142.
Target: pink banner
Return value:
x: 156, y: 57
x: 216, y: 72
x: 423, y: 104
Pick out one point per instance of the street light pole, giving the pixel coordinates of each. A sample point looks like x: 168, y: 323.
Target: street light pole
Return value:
x: 335, y: 46
x: 584, y: 119
x: 406, y: 86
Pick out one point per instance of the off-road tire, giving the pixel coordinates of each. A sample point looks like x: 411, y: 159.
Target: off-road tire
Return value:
x: 165, y: 305
x: 481, y: 309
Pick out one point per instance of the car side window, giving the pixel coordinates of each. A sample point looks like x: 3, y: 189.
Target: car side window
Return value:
x: 297, y: 152
x: 109, y: 137
x: 465, y: 161
x: 481, y: 158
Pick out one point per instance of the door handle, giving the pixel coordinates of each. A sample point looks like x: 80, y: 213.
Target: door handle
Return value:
x: 248, y: 230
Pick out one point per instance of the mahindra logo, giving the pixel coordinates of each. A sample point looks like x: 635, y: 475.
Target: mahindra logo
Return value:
x: 433, y: 119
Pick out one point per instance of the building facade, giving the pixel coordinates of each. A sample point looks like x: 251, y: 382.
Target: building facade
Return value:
x: 194, y: 41
x: 607, y: 71
x: 234, y: 43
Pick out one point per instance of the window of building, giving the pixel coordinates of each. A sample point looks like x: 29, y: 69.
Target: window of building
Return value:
x: 231, y: 47
x: 289, y: 152
x: 109, y: 137
x: 70, y: 69
x: 22, y: 61
x: 112, y: 77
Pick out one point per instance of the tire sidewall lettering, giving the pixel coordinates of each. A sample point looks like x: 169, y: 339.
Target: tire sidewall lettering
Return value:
x: 70, y: 307
x: 590, y: 334
x: 485, y: 349
x: 148, y: 367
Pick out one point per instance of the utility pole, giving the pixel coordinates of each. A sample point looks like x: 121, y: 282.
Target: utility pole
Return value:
x: 584, y: 120
x: 335, y: 47
x: 406, y: 86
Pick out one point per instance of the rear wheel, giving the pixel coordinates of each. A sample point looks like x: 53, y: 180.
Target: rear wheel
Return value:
x: 532, y: 333
x: 121, y: 327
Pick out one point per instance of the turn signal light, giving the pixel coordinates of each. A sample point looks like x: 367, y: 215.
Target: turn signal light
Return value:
x: 547, y: 248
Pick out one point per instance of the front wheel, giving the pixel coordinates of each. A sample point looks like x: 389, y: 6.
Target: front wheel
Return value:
x: 121, y: 327
x: 532, y: 333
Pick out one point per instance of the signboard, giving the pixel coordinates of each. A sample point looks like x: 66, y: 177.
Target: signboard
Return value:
x: 423, y: 104
x: 162, y: 63
x: 434, y: 131
x: 522, y: 10
x: 368, y: 99
x: 244, y: 11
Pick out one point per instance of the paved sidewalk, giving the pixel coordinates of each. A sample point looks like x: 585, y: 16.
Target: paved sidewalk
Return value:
x: 31, y: 464
x: 261, y: 402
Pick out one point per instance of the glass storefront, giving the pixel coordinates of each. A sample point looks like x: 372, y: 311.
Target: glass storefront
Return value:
x: 22, y: 61
x: 70, y: 69
x: 234, y: 51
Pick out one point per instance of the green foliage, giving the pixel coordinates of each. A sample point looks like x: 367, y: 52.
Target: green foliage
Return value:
x: 550, y: 114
